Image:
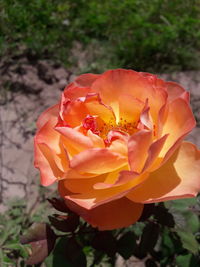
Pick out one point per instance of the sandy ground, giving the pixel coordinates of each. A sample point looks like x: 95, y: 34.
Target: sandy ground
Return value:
x: 26, y: 89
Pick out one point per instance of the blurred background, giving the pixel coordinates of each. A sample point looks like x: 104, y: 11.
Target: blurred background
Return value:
x: 156, y: 36
x: 44, y: 44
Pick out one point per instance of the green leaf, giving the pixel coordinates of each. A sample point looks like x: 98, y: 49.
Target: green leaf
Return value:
x: 59, y: 204
x: 105, y: 241
x: 1, y: 257
x: 168, y: 247
x: 68, y: 253
x: 188, y: 260
x: 65, y: 223
x: 59, y: 256
x: 75, y: 254
x: 183, y: 260
x: 149, y: 239
x: 189, y: 242
x: 137, y: 228
x: 181, y: 204
x: 126, y: 245
x: 147, y: 212
x: 17, y: 246
x: 49, y: 261
x: 163, y: 216
x: 183, y: 211
x: 7, y: 260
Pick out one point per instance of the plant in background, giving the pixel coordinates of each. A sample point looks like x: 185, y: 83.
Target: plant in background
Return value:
x: 153, y: 35
x: 13, y: 222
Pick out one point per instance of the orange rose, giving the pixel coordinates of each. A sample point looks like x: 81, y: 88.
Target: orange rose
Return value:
x: 115, y: 142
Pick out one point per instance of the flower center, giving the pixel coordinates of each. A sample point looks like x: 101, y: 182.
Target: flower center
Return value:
x: 99, y: 127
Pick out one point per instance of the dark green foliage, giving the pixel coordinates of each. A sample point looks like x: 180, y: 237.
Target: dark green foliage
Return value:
x: 58, y: 204
x: 104, y: 241
x: 168, y: 237
x: 149, y: 239
x: 65, y: 223
x: 163, y: 216
x: 152, y: 35
x: 126, y: 244
x: 13, y: 222
x: 186, y: 216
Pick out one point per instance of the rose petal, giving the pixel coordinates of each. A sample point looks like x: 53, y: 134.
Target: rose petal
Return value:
x: 145, y: 117
x: 117, y: 142
x: 126, y: 178
x: 116, y: 214
x: 46, y: 134
x: 179, y: 122
x: 138, y: 146
x: 96, y: 107
x: 72, y: 138
x: 50, y: 157
x: 45, y: 162
x: 120, y: 147
x: 179, y: 177
x: 129, y: 109
x: 97, y: 160
x: 104, y: 192
x: 162, y: 117
x: 73, y: 112
x: 112, y: 84
x: 174, y: 90
x: 153, y: 153
x: 50, y: 113
x: 112, y: 179
x: 96, y: 140
x: 80, y: 87
x: 76, y: 185
x: 72, y: 174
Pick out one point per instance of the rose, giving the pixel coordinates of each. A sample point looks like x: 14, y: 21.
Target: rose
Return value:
x: 115, y: 142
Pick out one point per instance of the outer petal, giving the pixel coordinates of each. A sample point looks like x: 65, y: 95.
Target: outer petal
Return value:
x: 45, y: 161
x: 46, y: 173
x: 97, y: 160
x: 112, y: 84
x: 100, y: 193
x: 179, y: 177
x: 179, y: 122
x: 50, y: 157
x: 80, y: 87
x: 116, y: 214
x: 50, y: 113
x: 174, y: 90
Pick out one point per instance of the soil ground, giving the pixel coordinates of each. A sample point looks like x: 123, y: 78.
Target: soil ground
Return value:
x: 26, y: 89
